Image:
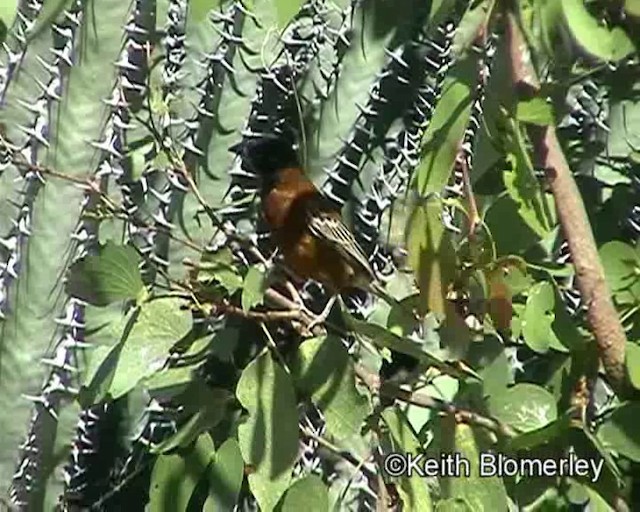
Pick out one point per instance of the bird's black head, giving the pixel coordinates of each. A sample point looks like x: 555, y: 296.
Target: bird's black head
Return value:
x: 266, y: 155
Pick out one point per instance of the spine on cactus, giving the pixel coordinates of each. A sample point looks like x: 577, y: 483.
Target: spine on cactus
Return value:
x: 346, y: 168
x: 17, y: 42
x: 27, y: 480
x: 464, y: 160
x: 402, y: 154
x: 157, y: 424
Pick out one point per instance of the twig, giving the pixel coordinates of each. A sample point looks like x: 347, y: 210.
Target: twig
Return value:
x: 601, y: 313
x: 391, y: 390
x: 359, y: 465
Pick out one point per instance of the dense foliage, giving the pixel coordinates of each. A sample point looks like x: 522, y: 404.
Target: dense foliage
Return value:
x: 151, y: 356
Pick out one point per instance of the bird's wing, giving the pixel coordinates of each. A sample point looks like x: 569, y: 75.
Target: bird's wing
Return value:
x: 329, y: 227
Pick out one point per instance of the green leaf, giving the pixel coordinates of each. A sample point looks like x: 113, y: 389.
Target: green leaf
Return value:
x: 490, y: 360
x: 600, y: 41
x: 431, y: 255
x: 446, y: 130
x: 543, y: 435
x: 8, y: 10
x: 286, y: 10
x: 225, y: 474
x: 632, y: 7
x: 174, y: 477
x: 633, y: 364
x: 210, y: 407
x: 535, y: 111
x: 620, y: 431
x: 218, y: 267
x: 621, y: 264
x: 111, y: 275
x: 479, y: 492
x: 269, y: 438
x: 534, y: 205
x: 525, y: 407
x: 253, y: 287
x: 453, y: 505
x: 596, y: 502
x: 539, y: 316
x: 413, y: 489
x: 308, y: 493
x: 170, y: 381
x: 324, y: 371
x: 144, y: 340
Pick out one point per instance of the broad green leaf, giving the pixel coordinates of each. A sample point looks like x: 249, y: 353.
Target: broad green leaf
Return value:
x: 308, y: 493
x: 225, y: 474
x: 218, y: 267
x: 621, y: 264
x: 253, y: 287
x: 453, y: 505
x: 490, y: 361
x: 210, y: 405
x: 446, y: 130
x: 444, y: 388
x: 287, y: 9
x: 413, y: 489
x: 620, y: 431
x: 632, y: 7
x: 534, y: 205
x: 467, y: 30
x: 633, y: 363
x: 160, y: 325
x: 478, y: 492
x: 170, y: 381
x: 535, y: 111
x: 174, y: 477
x: 269, y: 438
x: 111, y: 275
x: 8, y: 10
x: 525, y: 407
x: 325, y: 372
x: 143, y: 345
x: 541, y: 436
x: 538, y: 317
x: 543, y: 320
x: 431, y: 256
x: 511, y: 234
x: 596, y: 502
x: 600, y: 41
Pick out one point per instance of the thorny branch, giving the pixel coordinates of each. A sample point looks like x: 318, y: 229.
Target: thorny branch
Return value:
x: 601, y: 313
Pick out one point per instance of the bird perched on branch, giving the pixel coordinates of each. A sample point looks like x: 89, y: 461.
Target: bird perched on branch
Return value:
x: 306, y: 227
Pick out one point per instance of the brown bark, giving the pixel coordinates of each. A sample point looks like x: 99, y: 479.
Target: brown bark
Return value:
x: 601, y: 314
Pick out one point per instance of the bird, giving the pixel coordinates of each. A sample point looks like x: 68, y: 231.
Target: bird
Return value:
x: 306, y: 227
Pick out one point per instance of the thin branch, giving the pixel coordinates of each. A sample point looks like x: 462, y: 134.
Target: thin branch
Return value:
x: 392, y: 390
x: 601, y: 313
x: 360, y: 465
